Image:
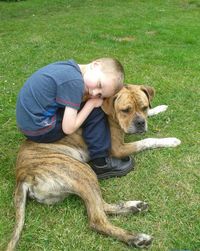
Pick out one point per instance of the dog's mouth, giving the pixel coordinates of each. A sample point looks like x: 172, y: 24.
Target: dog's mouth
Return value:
x: 133, y: 130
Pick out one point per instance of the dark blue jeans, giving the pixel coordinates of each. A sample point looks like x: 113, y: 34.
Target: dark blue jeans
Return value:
x: 96, y: 133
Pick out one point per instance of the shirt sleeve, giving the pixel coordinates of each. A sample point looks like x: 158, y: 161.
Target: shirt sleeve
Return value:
x: 70, y: 94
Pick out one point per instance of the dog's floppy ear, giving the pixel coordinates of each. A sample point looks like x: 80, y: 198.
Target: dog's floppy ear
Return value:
x: 149, y: 91
x: 108, y: 105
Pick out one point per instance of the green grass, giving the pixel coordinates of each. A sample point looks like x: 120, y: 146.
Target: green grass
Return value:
x: 158, y: 43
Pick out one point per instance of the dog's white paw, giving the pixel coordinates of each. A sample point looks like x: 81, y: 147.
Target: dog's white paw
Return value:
x: 171, y: 142
x: 141, y: 241
x: 135, y: 206
x: 157, y: 109
x: 162, y: 108
x: 152, y: 143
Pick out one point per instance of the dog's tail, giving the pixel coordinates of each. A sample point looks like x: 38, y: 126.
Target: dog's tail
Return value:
x: 20, y: 204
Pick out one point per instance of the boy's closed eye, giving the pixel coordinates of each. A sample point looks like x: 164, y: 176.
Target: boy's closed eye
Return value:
x: 99, y: 96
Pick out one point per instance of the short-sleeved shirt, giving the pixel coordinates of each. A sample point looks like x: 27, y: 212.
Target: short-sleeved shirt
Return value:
x: 54, y: 86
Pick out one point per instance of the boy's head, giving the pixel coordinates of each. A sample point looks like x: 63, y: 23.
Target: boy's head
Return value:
x: 103, y: 77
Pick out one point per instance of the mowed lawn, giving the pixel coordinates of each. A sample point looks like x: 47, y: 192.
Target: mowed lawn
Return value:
x: 158, y: 42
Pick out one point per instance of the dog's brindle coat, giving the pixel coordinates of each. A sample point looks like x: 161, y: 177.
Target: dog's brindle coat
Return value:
x: 49, y: 172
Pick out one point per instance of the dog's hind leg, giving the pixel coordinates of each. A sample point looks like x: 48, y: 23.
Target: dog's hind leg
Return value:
x: 89, y: 191
x: 20, y: 203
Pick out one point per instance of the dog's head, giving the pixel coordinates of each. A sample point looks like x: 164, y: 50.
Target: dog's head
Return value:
x: 129, y: 107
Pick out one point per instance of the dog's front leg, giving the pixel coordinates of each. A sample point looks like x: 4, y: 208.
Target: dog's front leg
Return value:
x: 157, y: 109
x: 125, y: 149
x: 152, y: 143
x: 119, y: 149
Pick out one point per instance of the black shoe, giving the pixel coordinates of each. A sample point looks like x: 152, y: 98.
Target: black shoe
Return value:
x: 113, y: 168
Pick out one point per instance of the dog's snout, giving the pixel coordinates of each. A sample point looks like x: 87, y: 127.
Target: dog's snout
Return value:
x: 140, y: 122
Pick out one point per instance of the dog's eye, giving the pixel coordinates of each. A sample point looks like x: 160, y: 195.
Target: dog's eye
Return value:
x: 144, y: 109
x: 126, y: 110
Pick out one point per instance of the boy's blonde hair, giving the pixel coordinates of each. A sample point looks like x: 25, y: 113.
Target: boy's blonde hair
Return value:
x: 112, y: 66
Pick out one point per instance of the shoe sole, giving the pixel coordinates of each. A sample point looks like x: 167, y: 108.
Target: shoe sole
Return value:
x: 113, y: 174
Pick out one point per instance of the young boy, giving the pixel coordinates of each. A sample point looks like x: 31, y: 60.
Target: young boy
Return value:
x: 50, y: 106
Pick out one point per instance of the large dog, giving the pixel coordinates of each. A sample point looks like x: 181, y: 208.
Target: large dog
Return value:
x: 49, y: 172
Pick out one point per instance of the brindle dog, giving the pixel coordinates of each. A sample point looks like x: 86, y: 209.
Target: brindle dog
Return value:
x: 49, y: 172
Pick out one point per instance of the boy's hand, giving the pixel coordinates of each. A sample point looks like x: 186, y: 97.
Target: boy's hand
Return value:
x: 95, y: 102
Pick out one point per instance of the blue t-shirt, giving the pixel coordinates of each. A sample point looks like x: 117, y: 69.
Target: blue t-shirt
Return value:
x: 54, y: 86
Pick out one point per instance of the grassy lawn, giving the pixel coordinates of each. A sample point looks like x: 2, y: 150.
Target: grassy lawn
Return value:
x: 158, y: 43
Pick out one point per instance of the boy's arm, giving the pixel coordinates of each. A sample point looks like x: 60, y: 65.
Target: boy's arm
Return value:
x: 73, y: 119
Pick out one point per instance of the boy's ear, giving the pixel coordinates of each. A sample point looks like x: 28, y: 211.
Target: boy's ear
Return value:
x: 149, y: 91
x: 94, y: 64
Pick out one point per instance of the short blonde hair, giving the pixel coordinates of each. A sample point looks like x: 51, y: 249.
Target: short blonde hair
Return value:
x: 112, y: 66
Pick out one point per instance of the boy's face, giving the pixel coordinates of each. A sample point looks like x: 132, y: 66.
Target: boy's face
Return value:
x: 98, y: 84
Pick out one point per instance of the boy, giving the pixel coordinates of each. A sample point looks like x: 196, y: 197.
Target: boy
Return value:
x: 49, y: 107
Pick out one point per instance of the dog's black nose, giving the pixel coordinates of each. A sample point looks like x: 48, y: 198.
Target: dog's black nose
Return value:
x: 140, y: 123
